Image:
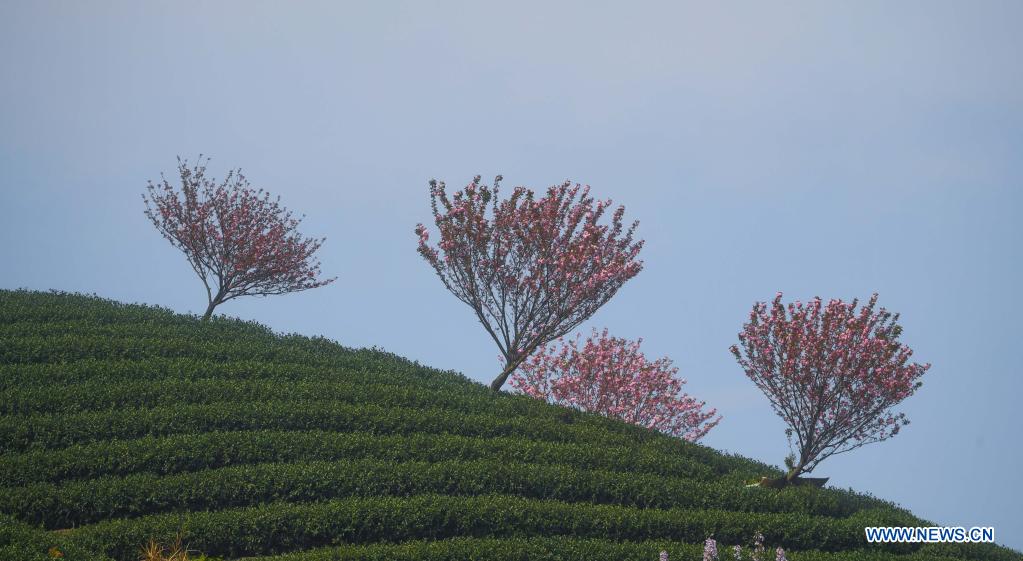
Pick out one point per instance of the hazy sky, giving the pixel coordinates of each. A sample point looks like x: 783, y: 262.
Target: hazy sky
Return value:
x: 814, y: 148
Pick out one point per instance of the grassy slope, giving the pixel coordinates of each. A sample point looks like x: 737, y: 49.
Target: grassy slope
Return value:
x: 122, y: 422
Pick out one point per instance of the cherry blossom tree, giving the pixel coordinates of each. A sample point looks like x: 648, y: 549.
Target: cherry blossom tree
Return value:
x: 532, y: 269
x: 832, y: 373
x: 611, y: 376
x: 238, y: 240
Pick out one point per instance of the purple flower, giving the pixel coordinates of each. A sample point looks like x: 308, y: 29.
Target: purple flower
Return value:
x: 664, y: 556
x: 779, y: 555
x: 710, y: 550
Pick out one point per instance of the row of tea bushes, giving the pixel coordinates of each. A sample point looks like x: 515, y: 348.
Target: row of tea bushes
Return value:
x: 88, y: 501
x: 191, y: 452
x: 282, y: 527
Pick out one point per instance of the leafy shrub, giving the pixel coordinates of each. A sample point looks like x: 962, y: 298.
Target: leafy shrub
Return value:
x: 121, y: 424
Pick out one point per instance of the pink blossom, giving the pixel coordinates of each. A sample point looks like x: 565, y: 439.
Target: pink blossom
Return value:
x: 531, y: 268
x: 611, y: 376
x: 238, y: 240
x: 832, y: 373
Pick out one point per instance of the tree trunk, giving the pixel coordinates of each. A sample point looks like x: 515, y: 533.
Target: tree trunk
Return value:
x: 214, y: 302
x: 503, y: 377
x: 795, y: 471
x: 209, y: 311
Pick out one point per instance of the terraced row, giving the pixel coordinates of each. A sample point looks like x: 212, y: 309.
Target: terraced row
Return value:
x: 368, y: 369
x: 31, y: 329
x: 73, y: 346
x: 281, y: 527
x: 21, y: 433
x: 164, y: 455
x: 96, y: 395
x: 82, y: 502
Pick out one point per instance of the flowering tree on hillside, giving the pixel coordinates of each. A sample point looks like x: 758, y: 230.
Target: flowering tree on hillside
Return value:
x: 238, y: 240
x: 611, y: 376
x: 832, y: 373
x: 532, y: 269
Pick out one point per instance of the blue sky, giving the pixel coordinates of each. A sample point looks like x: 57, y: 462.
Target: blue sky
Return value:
x: 814, y: 148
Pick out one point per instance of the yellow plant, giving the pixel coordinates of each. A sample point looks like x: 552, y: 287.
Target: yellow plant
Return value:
x: 154, y: 551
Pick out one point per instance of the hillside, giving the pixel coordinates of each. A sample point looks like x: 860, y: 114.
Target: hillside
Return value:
x: 120, y: 423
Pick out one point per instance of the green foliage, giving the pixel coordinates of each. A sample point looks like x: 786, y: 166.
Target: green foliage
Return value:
x: 195, y: 451
x: 20, y: 433
x: 23, y: 542
x: 85, y: 501
x: 248, y: 531
x: 122, y: 423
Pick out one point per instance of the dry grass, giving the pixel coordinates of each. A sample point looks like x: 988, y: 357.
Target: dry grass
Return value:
x: 155, y: 551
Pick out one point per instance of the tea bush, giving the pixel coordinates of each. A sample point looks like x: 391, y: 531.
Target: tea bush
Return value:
x: 121, y: 424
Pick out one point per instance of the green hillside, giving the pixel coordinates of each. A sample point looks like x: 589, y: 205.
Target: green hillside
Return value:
x: 120, y: 423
